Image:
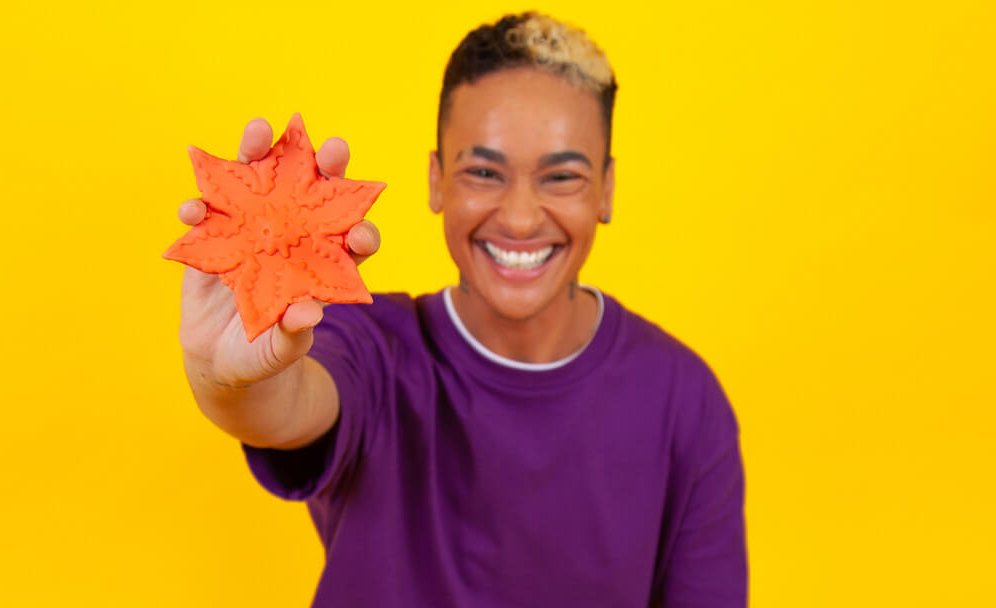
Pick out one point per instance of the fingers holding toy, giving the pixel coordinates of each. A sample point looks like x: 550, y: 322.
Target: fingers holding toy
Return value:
x: 333, y: 157
x: 256, y: 140
x: 363, y: 240
x: 192, y: 211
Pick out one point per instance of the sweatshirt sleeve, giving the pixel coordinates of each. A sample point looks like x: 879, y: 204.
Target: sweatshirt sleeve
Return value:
x: 349, y: 344
x: 706, y: 564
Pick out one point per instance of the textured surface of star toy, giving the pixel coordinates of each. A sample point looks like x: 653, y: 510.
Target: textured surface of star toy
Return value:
x: 275, y: 229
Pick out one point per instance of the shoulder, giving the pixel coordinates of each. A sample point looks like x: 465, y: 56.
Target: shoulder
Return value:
x: 640, y: 338
x: 386, y: 307
x: 681, y: 376
x: 393, y: 323
x: 389, y: 312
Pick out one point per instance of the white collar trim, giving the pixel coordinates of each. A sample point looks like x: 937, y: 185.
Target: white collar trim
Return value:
x: 512, y: 363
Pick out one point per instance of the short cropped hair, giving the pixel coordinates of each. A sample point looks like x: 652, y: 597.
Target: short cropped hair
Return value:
x: 530, y: 40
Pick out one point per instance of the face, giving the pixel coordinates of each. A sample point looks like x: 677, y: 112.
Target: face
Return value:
x: 521, y: 182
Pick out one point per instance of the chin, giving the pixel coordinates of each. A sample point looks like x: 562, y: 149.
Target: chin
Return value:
x: 517, y: 303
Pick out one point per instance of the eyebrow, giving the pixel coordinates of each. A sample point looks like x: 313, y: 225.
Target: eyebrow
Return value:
x: 563, y: 157
x: 549, y: 160
x: 486, y: 153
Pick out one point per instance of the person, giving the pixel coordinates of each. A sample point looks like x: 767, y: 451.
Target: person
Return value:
x: 519, y: 439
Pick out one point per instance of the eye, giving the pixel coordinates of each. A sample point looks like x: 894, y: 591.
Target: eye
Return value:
x: 561, y: 176
x: 480, y: 177
x: 482, y: 173
x: 563, y: 182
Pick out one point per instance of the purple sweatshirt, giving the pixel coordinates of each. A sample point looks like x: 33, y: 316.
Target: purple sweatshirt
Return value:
x: 455, y: 478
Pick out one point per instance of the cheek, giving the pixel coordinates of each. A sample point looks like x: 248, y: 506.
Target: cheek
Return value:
x: 459, y: 225
x: 452, y: 228
x: 464, y: 211
x: 579, y: 219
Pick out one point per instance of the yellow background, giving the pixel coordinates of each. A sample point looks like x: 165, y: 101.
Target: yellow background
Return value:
x: 806, y: 196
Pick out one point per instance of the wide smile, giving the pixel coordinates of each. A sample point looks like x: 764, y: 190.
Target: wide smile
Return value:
x: 519, y: 260
x: 521, y: 263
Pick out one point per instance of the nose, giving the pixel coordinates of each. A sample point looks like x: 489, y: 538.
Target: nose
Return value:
x: 521, y: 212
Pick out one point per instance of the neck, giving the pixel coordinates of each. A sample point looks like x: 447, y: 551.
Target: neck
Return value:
x: 560, y: 330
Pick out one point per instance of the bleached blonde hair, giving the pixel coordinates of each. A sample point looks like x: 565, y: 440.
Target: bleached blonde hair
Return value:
x: 566, y: 49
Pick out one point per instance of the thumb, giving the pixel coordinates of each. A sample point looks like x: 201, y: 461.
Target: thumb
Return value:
x: 301, y: 316
x: 293, y: 335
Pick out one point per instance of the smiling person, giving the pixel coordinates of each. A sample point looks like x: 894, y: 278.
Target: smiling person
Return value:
x: 515, y: 440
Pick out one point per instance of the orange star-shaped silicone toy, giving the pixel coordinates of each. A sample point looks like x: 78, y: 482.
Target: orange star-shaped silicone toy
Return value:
x: 275, y: 229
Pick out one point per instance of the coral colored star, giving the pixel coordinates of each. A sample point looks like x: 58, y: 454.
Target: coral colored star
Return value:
x: 275, y: 229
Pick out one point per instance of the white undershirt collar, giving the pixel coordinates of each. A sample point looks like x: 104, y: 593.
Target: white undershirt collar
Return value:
x: 512, y: 363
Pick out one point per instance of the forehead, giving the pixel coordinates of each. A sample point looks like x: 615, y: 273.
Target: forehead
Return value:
x: 525, y: 113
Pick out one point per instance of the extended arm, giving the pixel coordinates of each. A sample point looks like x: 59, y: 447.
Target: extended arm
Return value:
x: 266, y: 393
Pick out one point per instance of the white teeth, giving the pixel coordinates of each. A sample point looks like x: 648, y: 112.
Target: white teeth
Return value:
x: 521, y: 260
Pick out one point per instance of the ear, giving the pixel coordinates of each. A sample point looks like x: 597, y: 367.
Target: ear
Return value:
x: 435, y: 182
x: 608, y: 190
